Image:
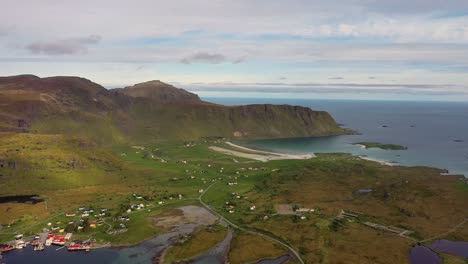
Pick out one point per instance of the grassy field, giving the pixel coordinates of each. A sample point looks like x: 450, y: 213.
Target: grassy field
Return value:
x: 248, y: 248
x: 196, y: 244
x: 69, y: 173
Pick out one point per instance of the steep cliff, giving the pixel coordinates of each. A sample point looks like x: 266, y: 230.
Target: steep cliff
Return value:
x: 150, y: 111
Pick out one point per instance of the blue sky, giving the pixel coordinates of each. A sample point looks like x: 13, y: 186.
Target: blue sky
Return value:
x: 358, y: 49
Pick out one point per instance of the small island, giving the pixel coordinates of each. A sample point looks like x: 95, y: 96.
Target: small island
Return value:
x: 368, y: 145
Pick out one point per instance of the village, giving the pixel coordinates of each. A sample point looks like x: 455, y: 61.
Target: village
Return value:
x: 233, y: 189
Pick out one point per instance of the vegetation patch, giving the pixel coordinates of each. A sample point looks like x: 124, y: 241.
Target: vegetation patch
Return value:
x: 368, y: 145
x: 248, y: 248
x: 192, y: 245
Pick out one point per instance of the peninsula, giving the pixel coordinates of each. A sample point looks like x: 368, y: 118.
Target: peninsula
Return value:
x: 83, y: 167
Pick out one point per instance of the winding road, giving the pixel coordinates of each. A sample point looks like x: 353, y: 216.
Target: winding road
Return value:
x: 200, y: 199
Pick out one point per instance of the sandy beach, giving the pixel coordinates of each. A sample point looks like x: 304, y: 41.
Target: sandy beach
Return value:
x: 386, y: 163
x: 259, y: 155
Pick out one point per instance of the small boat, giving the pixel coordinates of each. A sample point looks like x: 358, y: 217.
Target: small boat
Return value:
x: 79, y: 246
x: 59, y: 241
x: 39, y: 247
x: 6, y: 248
x: 35, y: 242
x: 20, y: 244
x: 50, y: 239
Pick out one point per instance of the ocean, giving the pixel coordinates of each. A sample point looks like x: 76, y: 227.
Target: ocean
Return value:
x: 428, y: 129
x: 436, y: 133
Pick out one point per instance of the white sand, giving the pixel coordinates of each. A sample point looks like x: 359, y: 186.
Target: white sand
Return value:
x: 386, y: 163
x: 263, y: 156
x: 361, y: 146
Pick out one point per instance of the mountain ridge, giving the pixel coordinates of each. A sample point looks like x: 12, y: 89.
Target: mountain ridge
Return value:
x: 148, y: 111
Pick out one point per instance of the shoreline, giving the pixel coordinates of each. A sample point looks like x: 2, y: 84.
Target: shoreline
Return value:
x: 263, y: 156
x: 381, y: 162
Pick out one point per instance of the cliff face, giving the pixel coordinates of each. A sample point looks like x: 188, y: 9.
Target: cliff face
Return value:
x: 280, y: 121
x: 144, y: 112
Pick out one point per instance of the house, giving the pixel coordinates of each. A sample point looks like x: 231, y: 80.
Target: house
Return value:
x: 92, y: 224
x: 252, y: 208
x: 70, y: 214
x: 305, y: 210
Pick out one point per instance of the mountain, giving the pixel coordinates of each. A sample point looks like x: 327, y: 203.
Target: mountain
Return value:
x: 150, y: 111
x: 160, y: 92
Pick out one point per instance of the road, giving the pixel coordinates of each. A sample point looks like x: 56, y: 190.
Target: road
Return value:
x: 446, y: 233
x: 18, y: 231
x: 200, y: 199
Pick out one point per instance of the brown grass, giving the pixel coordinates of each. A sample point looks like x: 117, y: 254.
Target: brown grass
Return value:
x: 247, y: 248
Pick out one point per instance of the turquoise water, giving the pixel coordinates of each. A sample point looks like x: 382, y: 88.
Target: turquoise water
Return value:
x: 430, y: 130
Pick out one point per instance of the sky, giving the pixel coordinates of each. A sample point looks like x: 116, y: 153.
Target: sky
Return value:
x: 333, y: 49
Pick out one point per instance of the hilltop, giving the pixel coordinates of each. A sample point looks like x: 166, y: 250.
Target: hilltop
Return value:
x: 160, y: 92
x: 149, y: 111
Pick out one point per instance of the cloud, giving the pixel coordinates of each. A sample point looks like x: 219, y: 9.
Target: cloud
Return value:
x: 239, y: 60
x: 209, y: 58
x: 203, y: 57
x: 64, y: 47
x: 299, y: 88
x: 336, y: 78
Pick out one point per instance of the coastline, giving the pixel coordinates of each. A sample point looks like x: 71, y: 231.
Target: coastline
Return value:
x: 382, y: 162
x: 263, y: 156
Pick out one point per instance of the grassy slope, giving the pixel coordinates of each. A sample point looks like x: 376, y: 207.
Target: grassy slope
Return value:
x: 428, y: 204
x: 198, y: 243
x: 78, y: 107
x: 247, y: 248
x: 193, y: 121
x: 416, y: 198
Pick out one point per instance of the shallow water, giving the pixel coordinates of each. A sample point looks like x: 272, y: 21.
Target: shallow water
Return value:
x: 423, y: 255
x: 143, y: 253
x: 218, y: 254
x: 451, y: 247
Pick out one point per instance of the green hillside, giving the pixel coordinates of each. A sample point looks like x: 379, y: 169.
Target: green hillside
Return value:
x: 151, y: 111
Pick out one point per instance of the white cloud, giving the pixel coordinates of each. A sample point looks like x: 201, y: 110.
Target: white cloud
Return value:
x: 297, y: 38
x: 63, y: 47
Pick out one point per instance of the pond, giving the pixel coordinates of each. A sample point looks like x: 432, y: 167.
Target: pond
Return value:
x: 30, y: 199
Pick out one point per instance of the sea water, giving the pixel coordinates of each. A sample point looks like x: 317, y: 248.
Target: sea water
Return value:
x: 436, y: 133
